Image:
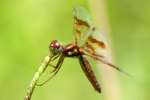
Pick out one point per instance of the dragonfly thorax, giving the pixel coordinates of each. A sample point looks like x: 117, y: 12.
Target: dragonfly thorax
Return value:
x: 55, y: 47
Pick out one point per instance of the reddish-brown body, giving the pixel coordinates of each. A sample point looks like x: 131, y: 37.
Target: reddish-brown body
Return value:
x: 73, y: 50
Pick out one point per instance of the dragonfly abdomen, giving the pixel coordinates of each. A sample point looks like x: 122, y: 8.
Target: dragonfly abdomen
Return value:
x: 86, y: 67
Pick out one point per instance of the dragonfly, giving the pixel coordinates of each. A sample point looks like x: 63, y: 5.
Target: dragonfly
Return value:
x: 86, y: 43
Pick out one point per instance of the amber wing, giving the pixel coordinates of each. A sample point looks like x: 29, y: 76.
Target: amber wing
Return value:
x: 86, y: 34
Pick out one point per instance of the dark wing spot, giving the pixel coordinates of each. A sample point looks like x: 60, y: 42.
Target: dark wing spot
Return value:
x: 95, y: 41
x: 89, y: 48
x: 78, y: 32
x: 81, y: 22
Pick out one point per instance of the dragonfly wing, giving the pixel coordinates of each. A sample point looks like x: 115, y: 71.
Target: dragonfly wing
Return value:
x: 82, y: 24
x: 85, y: 31
x: 86, y: 67
x: 95, y: 42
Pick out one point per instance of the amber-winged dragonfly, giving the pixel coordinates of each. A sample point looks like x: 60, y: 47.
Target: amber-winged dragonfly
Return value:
x: 87, y: 41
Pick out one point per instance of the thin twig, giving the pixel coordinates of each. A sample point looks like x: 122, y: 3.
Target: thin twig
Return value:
x: 36, y: 76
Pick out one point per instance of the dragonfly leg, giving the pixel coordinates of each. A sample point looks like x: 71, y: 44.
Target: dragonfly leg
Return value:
x: 55, y: 71
x: 55, y: 68
x: 52, y: 65
x: 55, y: 57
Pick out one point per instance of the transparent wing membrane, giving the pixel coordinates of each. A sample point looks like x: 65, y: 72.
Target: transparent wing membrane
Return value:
x: 82, y: 24
x: 104, y: 61
x: 89, y: 38
x: 85, y: 31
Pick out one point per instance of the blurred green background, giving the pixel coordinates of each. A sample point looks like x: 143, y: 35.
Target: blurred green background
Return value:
x: 28, y: 26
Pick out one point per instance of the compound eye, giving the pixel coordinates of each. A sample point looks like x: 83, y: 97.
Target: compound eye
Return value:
x: 55, y: 44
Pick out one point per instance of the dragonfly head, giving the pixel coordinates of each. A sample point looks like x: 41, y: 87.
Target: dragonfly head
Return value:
x: 55, y: 47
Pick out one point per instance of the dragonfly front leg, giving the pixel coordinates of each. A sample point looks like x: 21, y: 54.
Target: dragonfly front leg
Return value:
x: 52, y: 65
x: 55, y: 67
x: 55, y: 71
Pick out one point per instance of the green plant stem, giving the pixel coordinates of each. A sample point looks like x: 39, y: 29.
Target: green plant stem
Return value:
x: 36, y: 76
